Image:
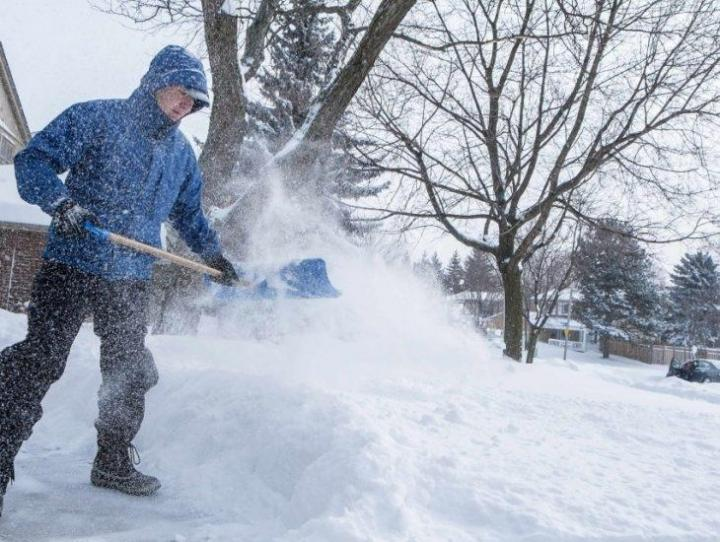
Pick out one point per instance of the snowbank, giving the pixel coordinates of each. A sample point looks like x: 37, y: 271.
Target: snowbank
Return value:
x: 327, y: 439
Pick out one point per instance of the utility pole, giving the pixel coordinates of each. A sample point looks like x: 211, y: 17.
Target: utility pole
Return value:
x: 567, y: 324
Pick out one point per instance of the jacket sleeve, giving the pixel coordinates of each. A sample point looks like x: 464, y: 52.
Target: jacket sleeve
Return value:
x: 188, y: 219
x: 54, y: 150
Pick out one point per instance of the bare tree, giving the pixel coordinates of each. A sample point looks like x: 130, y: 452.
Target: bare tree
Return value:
x: 498, y: 117
x: 546, y: 274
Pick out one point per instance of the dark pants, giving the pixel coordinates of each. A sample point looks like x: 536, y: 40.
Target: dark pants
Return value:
x: 62, y: 297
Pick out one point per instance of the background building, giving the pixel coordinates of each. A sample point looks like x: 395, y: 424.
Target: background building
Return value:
x: 23, y: 227
x: 14, y: 131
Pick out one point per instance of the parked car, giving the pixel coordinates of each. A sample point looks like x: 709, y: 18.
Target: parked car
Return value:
x: 697, y: 370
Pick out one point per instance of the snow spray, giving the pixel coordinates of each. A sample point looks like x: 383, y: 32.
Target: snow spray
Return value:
x: 387, y: 321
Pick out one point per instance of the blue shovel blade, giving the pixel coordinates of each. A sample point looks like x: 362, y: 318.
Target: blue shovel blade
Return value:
x: 307, y: 278
x: 302, y: 279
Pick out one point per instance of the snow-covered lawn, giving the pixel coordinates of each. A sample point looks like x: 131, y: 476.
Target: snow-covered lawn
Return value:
x: 327, y: 435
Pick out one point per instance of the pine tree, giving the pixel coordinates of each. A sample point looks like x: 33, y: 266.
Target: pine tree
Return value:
x: 454, y: 275
x: 480, y: 273
x: 694, y: 300
x: 299, y: 55
x: 422, y: 267
x: 430, y: 269
x: 617, y: 284
x: 299, y: 66
x: 437, y: 269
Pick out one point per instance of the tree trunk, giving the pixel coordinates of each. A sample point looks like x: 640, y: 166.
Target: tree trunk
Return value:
x: 605, y: 345
x: 531, y: 344
x: 227, y: 116
x: 176, y: 290
x: 513, y: 334
x: 320, y: 126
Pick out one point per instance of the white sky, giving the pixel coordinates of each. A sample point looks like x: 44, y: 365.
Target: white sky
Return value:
x: 62, y: 52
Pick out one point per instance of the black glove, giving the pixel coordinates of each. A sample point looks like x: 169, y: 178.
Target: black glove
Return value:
x: 69, y: 219
x: 229, y: 275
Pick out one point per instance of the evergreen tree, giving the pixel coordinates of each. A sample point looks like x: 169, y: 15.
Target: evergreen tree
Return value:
x: 299, y: 55
x: 299, y: 66
x: 430, y: 269
x: 480, y: 273
x: 422, y: 267
x: 454, y: 275
x: 436, y: 267
x: 694, y: 300
x: 617, y: 284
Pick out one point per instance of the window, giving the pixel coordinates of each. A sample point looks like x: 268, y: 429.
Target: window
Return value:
x: 6, y: 150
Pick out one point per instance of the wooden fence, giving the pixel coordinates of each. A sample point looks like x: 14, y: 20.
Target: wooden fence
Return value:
x: 659, y: 353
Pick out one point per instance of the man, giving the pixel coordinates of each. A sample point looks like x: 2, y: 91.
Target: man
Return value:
x: 129, y: 170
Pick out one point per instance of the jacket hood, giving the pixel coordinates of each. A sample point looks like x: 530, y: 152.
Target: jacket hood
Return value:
x: 174, y: 65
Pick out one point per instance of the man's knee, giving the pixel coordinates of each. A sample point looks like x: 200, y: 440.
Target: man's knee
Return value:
x: 130, y: 371
x: 27, y: 369
x: 20, y: 417
x: 36, y: 361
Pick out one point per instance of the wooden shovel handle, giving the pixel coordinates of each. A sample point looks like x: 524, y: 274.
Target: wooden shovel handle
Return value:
x: 165, y: 255
x: 157, y: 252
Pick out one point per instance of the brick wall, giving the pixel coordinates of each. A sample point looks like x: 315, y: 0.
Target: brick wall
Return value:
x: 21, y: 248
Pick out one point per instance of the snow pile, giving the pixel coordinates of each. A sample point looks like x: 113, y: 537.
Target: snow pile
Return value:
x: 373, y: 417
x: 296, y: 439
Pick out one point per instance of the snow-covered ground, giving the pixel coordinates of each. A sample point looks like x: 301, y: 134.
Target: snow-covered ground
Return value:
x: 372, y: 417
x: 377, y: 429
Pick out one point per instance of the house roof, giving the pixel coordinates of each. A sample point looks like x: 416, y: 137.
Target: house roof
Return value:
x: 568, y: 293
x: 6, y: 80
x: 12, y: 206
x: 560, y: 322
x: 469, y: 295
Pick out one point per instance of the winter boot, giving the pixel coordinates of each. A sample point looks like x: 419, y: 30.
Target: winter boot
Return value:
x: 114, y: 468
x: 7, y: 474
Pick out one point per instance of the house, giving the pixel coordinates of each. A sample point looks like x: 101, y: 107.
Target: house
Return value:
x: 556, y: 327
x: 560, y: 325
x: 23, y: 227
x: 488, y: 312
x: 23, y: 232
x: 14, y: 131
x: 479, y: 305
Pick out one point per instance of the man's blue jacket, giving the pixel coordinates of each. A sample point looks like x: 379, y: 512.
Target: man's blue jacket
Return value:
x: 130, y: 165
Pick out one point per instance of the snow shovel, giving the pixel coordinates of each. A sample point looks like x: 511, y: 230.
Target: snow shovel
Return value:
x: 299, y: 279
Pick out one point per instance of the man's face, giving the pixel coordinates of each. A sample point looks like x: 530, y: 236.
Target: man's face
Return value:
x: 174, y: 102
